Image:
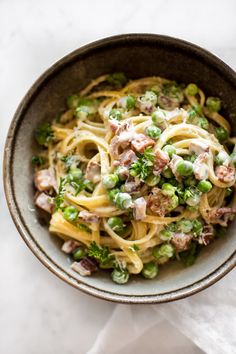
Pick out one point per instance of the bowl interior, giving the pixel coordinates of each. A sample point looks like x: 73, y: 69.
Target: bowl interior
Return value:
x: 137, y: 56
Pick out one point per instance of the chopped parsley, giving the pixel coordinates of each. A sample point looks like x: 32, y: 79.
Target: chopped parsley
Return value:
x: 68, y: 160
x: 189, y: 257
x: 101, y: 254
x: 142, y: 167
x: 171, y: 89
x: 117, y: 79
x: 44, y: 134
x: 38, y: 160
x: 59, y: 199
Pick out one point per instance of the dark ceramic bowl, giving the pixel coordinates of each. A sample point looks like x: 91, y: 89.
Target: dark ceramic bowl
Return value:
x: 137, y: 55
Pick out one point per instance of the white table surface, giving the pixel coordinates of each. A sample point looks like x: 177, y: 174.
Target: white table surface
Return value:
x: 39, y: 314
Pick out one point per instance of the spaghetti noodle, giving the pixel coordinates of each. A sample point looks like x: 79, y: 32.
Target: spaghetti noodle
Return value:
x: 136, y: 174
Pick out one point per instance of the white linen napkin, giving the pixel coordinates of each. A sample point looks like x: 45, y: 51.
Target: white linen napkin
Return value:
x: 205, y: 322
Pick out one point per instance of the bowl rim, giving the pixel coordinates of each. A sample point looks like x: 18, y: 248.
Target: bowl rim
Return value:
x: 14, y: 209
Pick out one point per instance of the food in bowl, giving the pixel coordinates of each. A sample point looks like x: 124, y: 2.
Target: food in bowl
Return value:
x: 136, y: 173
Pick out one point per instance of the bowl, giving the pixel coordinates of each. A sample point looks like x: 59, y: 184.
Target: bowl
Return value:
x: 137, y: 55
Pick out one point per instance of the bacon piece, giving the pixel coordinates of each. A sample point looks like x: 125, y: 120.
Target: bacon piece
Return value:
x: 140, y: 142
x: 127, y: 158
x: 69, y: 246
x: 132, y: 185
x: 123, y: 172
x: 114, y: 124
x: 168, y: 103
x: 225, y: 173
x: 220, y: 215
x: 161, y: 161
x: 44, y: 201
x: 140, y: 206
x: 44, y: 180
x: 198, y: 147
x: 173, y: 163
x: 146, y: 107
x: 158, y: 203
x: 93, y: 172
x: 207, y: 235
x: 181, y: 241
x: 200, y: 168
x: 85, y: 267
x: 122, y: 139
x: 88, y: 217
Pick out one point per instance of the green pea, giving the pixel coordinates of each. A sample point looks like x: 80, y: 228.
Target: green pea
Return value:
x: 112, y: 194
x: 228, y: 192
x: 203, y: 123
x: 79, y: 253
x: 193, y: 200
x: 184, y: 168
x: 185, y: 225
x: 110, y: 181
x: 120, y: 276
x: 158, y: 117
x: 82, y: 112
x: 150, y: 270
x: 233, y: 158
x: 204, y: 186
x: 191, y: 196
x: 221, y: 134
x: 116, y: 224
x: 167, y: 173
x: 165, y: 235
x: 130, y: 102
x: 168, y: 189
x: 222, y: 157
x: 123, y: 188
x: 70, y: 213
x: 213, y: 104
x: 191, y: 89
x: 149, y: 96
x: 123, y: 200
x: 197, y: 108
x: 153, y: 131
x: 174, y: 202
x: 115, y: 114
x: 72, y: 101
x: 165, y: 250
x: 171, y: 227
x: 152, y: 180
x: 197, y: 227
x: 75, y: 174
x: 170, y: 150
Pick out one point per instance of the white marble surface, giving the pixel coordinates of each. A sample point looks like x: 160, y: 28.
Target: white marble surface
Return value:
x: 39, y: 314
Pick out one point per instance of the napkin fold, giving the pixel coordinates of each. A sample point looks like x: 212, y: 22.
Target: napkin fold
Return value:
x: 205, y: 322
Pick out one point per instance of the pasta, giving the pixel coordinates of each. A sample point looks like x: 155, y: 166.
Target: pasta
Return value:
x: 136, y: 174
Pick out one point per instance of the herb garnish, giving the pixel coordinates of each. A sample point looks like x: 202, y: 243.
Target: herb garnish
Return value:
x: 101, y: 254
x: 44, y: 134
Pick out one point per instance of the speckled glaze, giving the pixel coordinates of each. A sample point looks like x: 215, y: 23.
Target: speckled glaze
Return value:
x: 137, y: 55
